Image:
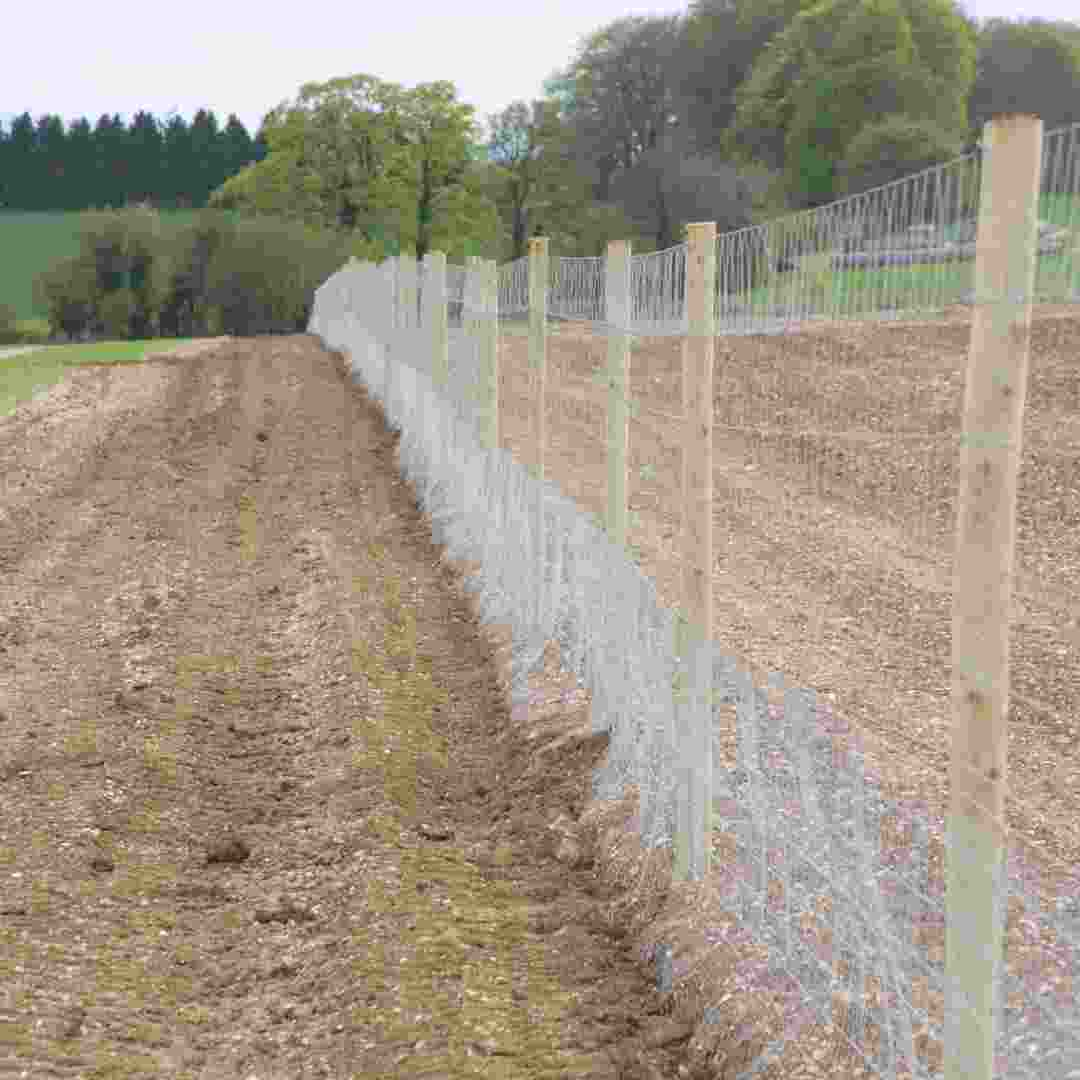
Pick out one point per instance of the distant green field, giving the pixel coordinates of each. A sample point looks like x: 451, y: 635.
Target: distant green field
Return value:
x: 31, y: 243
x: 860, y: 289
x: 34, y: 372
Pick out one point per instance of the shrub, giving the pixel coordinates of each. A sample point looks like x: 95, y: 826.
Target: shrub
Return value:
x: 264, y: 281
x: 184, y: 307
x: 68, y: 291
x: 112, y: 285
x: 117, y: 310
x: 9, y: 329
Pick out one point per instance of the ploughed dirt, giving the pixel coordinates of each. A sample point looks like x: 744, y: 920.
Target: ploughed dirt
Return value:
x: 836, y: 454
x: 265, y: 811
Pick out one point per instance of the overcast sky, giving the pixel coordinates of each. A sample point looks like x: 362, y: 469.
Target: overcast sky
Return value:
x: 119, y: 56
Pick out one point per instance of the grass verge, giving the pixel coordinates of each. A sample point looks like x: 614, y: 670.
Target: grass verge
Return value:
x: 34, y: 372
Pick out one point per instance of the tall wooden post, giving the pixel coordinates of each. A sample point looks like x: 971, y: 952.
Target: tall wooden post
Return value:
x: 393, y: 321
x: 469, y: 320
x: 693, y: 715
x: 488, y: 348
x: 990, y: 453
x: 435, y: 319
x: 617, y: 285
x: 538, y: 303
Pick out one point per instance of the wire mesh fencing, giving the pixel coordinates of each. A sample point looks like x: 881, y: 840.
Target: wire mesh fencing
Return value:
x: 544, y: 406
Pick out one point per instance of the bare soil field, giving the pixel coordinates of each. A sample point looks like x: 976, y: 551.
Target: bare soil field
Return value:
x: 265, y: 809
x: 835, y: 474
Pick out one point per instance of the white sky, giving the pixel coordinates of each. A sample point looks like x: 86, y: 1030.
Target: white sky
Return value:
x: 245, y: 58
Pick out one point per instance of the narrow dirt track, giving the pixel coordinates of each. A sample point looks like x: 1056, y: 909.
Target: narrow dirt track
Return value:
x: 264, y: 809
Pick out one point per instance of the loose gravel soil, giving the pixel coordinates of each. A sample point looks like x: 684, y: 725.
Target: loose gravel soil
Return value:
x: 265, y: 811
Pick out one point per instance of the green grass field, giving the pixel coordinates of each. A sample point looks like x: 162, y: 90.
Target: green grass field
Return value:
x: 930, y: 284
x: 902, y: 287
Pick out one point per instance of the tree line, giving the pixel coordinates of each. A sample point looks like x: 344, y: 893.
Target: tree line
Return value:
x: 734, y: 112
x: 170, y: 164
x: 737, y: 111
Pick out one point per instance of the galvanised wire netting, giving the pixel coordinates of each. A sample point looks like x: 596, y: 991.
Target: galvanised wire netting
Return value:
x: 802, y: 813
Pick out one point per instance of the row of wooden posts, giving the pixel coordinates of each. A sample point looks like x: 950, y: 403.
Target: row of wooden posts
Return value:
x: 990, y: 454
x: 480, y: 320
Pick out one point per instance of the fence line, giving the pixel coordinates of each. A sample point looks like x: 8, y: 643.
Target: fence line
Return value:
x: 644, y: 294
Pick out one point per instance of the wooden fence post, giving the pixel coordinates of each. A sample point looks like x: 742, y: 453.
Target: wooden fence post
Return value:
x: 406, y: 306
x: 470, y: 325
x: 469, y: 320
x: 488, y: 352
x: 693, y: 721
x: 990, y: 454
x: 407, y: 312
x: 617, y: 286
x: 392, y: 282
x: 538, y: 302
x: 434, y: 299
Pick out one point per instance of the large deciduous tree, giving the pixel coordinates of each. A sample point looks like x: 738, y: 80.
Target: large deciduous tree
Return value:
x: 1027, y: 66
x: 720, y: 41
x: 515, y: 151
x: 619, y: 94
x: 844, y: 65
x: 370, y: 158
x: 672, y: 185
x: 531, y: 175
x: 429, y: 166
